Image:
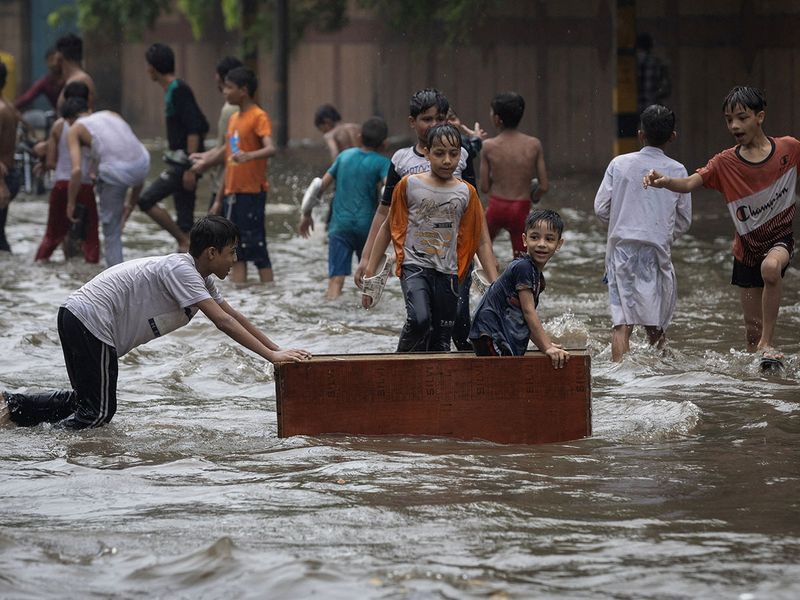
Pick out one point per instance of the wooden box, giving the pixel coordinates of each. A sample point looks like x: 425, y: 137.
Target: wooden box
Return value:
x: 510, y: 400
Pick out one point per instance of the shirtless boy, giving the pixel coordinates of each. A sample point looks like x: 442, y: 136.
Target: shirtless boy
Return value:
x: 338, y: 136
x: 70, y: 52
x: 509, y: 161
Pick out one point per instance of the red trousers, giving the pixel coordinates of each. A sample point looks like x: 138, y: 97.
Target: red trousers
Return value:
x: 58, y: 224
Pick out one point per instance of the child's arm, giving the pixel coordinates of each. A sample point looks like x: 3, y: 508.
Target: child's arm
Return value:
x: 486, y: 169
x: 51, y: 154
x: 557, y: 354
x: 267, y: 149
x: 216, y: 206
x: 541, y: 174
x: 202, y: 161
x: 381, y: 214
x: 486, y: 253
x: 306, y: 222
x: 602, y: 200
x: 682, y: 185
x: 133, y: 200
x: 236, y: 326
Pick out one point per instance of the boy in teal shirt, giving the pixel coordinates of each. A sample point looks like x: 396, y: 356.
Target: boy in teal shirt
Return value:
x: 358, y: 174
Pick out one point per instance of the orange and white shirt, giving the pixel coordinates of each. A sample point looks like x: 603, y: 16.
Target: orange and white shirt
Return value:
x: 435, y: 227
x: 245, y: 131
x: 760, y: 196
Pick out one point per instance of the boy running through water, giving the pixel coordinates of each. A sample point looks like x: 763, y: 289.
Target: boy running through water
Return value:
x: 509, y: 161
x: 186, y: 128
x: 243, y: 197
x: 436, y: 224
x: 358, y: 174
x: 506, y: 317
x: 641, y: 228
x: 757, y: 177
x: 97, y: 325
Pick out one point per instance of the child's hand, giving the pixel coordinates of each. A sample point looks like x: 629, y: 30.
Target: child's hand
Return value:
x: 198, y: 162
x: 291, y: 355
x: 216, y: 208
x: 558, y: 356
x: 241, y: 157
x: 306, y: 225
x: 655, y: 179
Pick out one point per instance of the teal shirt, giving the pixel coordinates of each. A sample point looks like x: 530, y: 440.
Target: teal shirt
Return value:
x: 357, y: 173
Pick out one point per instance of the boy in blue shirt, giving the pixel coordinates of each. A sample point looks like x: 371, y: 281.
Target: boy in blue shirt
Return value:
x: 358, y: 174
x: 506, y: 317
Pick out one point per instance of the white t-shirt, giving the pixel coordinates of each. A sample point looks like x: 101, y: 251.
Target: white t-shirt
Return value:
x: 134, y: 302
x: 121, y: 158
x: 63, y: 170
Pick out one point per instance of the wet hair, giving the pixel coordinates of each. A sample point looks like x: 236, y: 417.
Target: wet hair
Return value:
x: 3, y: 74
x: 212, y: 230
x: 161, y: 58
x: 644, y: 41
x: 509, y: 107
x: 50, y: 51
x: 374, y: 132
x: 445, y: 131
x: 74, y: 106
x: 657, y: 123
x: 424, y: 99
x: 76, y: 89
x: 544, y: 215
x: 326, y: 112
x: 244, y: 78
x: 746, y: 97
x: 226, y: 64
x: 71, y: 47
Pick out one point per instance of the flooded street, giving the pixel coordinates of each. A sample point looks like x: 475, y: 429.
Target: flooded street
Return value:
x: 689, y: 487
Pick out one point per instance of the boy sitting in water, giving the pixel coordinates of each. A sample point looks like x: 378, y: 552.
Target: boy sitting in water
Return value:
x: 436, y: 223
x: 509, y: 162
x: 358, y: 174
x: 128, y: 305
x: 758, y: 178
x: 641, y: 228
x: 506, y: 317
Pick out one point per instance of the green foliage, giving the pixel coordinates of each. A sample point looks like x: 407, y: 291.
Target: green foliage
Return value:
x: 254, y: 18
x: 132, y: 17
x: 452, y: 21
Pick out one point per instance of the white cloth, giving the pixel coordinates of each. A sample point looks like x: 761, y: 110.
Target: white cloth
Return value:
x: 121, y: 158
x: 63, y: 170
x: 642, y: 224
x: 134, y: 302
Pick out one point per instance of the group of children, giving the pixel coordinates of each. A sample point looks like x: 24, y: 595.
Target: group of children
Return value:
x: 428, y: 209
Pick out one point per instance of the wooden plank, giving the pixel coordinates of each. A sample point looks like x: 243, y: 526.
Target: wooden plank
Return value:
x: 519, y: 400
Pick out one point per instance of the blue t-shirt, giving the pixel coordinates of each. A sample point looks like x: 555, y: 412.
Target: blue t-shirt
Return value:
x: 357, y: 173
x: 499, y: 313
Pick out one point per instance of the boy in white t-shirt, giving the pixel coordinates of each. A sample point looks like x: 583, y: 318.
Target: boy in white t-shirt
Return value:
x: 97, y: 326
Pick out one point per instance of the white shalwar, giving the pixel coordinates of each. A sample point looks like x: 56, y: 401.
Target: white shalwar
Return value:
x: 642, y: 224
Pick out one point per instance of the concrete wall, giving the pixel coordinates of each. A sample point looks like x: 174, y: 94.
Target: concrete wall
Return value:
x: 559, y: 54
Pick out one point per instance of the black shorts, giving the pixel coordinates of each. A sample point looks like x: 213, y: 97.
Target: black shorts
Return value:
x: 746, y: 276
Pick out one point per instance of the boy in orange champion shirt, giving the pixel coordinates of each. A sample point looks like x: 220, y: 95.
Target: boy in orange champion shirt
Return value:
x: 757, y: 177
x: 243, y: 196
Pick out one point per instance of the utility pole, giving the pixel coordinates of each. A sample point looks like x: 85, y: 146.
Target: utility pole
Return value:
x: 281, y: 56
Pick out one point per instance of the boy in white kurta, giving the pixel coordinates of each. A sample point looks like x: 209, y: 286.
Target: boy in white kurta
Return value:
x: 641, y: 228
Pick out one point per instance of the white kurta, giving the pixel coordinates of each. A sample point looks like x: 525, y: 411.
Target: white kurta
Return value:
x: 642, y: 224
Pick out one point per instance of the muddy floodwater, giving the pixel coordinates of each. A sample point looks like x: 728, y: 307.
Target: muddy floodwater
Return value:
x: 688, y: 488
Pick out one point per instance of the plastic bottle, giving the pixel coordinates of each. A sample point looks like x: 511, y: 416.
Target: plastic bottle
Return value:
x: 234, y: 142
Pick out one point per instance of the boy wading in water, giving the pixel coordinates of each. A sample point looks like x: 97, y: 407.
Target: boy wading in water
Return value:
x: 509, y: 161
x: 642, y: 224
x: 506, y: 317
x: 128, y: 305
x: 757, y: 177
x: 436, y: 223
